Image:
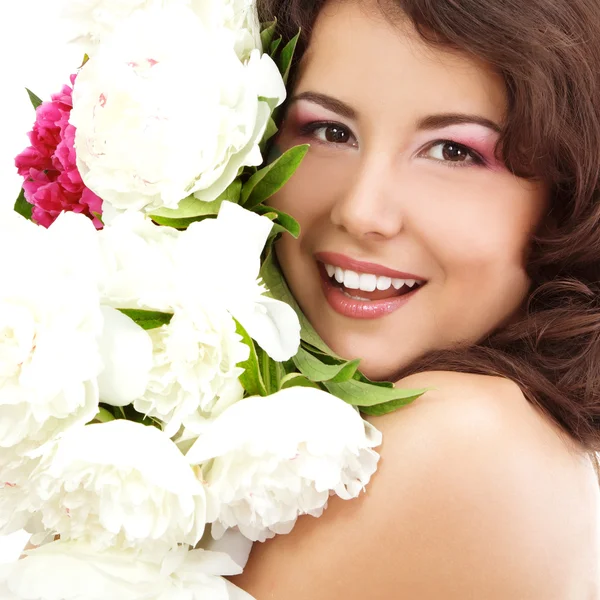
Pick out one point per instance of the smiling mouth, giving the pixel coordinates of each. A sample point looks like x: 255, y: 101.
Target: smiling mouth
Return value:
x: 368, y: 287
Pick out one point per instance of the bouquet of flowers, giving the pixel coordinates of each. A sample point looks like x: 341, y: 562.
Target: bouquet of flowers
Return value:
x: 163, y: 402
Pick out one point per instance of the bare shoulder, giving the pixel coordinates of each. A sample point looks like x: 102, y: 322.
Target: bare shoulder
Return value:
x: 477, y: 495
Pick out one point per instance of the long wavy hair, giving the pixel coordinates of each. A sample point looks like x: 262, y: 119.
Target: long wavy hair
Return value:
x: 548, y: 52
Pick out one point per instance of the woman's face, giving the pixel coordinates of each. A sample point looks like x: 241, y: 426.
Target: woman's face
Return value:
x: 414, y: 237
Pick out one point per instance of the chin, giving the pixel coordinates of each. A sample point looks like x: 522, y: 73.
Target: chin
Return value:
x: 373, y: 364
x: 375, y: 371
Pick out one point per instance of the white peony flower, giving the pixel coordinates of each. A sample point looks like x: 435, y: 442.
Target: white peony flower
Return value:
x: 138, y: 263
x: 50, y: 320
x: 127, y: 358
x: 236, y: 240
x: 195, y: 373
x: 165, y: 109
x: 267, y: 460
x: 119, y: 484
x: 74, y: 570
x: 94, y: 21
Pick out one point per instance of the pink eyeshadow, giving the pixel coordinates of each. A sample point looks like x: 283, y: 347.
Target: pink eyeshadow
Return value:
x: 480, y: 139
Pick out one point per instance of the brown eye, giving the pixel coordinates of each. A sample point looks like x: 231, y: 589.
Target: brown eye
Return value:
x: 336, y: 135
x: 452, y: 154
x: 333, y: 134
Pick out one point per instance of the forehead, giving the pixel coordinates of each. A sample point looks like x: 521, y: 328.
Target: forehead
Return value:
x: 359, y: 55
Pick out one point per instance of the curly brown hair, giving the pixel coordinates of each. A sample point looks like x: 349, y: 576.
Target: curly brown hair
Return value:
x: 548, y: 52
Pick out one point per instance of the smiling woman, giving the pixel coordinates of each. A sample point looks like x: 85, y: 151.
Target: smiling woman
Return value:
x: 450, y: 217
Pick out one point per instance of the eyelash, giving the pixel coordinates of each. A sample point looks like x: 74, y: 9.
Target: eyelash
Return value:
x: 477, y: 159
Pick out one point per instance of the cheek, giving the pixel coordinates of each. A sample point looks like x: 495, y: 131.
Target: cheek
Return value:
x: 311, y: 191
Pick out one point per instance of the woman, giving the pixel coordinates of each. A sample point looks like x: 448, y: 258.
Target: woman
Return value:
x: 450, y: 217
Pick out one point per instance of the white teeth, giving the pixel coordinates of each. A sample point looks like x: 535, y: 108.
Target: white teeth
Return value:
x: 351, y: 280
x: 384, y: 283
x: 367, y: 282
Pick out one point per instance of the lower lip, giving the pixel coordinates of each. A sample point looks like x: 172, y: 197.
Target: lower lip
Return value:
x: 360, y: 309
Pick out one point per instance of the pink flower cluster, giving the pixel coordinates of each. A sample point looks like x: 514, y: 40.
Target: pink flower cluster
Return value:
x: 53, y: 183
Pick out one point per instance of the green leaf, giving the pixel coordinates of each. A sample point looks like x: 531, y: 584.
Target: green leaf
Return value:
x: 274, y: 45
x: 35, y: 100
x: 274, y: 280
x: 286, y: 57
x: 267, y: 34
x: 191, y: 209
x: 311, y: 367
x: 383, y: 409
x: 272, y: 371
x: 283, y: 221
x: 369, y: 397
x: 147, y: 319
x: 269, y: 180
x: 23, y: 207
x: 297, y: 380
x: 104, y: 416
x: 270, y: 131
x: 364, y: 379
x: 251, y: 379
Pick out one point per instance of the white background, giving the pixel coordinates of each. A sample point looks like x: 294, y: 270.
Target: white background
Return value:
x: 34, y: 53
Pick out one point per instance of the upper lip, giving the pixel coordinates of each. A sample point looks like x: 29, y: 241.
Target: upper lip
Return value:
x: 359, y: 266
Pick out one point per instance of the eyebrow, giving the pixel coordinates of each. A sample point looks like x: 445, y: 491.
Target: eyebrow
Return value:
x: 436, y: 121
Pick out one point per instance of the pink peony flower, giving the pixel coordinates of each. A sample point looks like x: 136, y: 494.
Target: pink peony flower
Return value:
x: 53, y: 183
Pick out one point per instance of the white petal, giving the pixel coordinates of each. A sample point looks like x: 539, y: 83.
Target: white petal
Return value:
x: 268, y: 77
x: 277, y: 422
x: 232, y: 543
x: 273, y: 324
x: 126, y: 351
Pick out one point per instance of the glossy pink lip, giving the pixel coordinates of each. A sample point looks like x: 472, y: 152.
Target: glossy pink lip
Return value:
x: 345, y: 262
x: 360, y: 309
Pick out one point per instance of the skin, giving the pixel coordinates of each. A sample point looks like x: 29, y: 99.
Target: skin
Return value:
x: 459, y: 507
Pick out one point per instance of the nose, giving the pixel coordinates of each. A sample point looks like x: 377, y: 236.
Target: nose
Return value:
x: 367, y: 207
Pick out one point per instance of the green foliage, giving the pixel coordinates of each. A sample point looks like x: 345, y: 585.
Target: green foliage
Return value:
x: 23, y: 207
x: 191, y: 209
x: 272, y: 371
x: 270, y: 179
x: 372, y: 399
x: 275, y: 45
x: 270, y: 131
x: 282, y: 221
x: 267, y: 34
x: 296, y: 380
x: 147, y: 319
x: 35, y: 100
x: 251, y: 379
x: 286, y: 57
x: 316, y: 370
x: 103, y: 416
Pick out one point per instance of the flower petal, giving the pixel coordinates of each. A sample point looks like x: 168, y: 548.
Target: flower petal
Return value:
x: 273, y: 324
x: 126, y: 351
